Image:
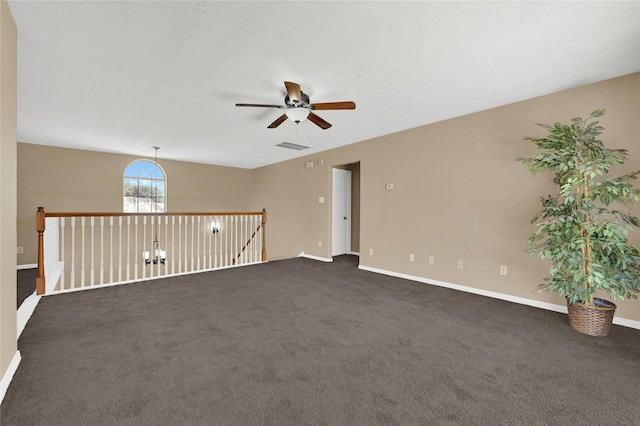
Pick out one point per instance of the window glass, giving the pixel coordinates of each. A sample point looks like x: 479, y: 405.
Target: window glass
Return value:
x: 144, y: 188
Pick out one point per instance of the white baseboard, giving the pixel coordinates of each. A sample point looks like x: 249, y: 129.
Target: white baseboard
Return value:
x: 626, y: 322
x: 25, y: 311
x: 8, y: 375
x: 28, y: 266
x: 354, y: 253
x: 495, y: 295
x: 309, y: 256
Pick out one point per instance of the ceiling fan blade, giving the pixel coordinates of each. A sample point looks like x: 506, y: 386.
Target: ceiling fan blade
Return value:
x: 259, y: 105
x: 318, y: 121
x: 278, y: 122
x: 293, y: 89
x: 333, y: 105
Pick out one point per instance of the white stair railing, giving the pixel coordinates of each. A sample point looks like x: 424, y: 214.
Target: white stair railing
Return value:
x: 90, y: 250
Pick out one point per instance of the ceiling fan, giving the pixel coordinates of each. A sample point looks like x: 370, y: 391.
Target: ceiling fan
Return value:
x: 298, y: 108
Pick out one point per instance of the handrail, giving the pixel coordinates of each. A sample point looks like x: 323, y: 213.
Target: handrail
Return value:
x: 42, y: 217
x: 114, y: 214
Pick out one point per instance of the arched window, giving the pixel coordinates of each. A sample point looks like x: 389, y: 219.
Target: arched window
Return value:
x: 144, y: 187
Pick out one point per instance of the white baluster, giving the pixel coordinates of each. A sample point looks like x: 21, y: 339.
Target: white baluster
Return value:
x: 186, y: 243
x: 234, y: 251
x: 158, y: 253
x: 144, y: 246
x: 111, y: 249
x: 216, y: 242
x: 259, y: 239
x: 62, y: 274
x: 255, y: 227
x: 73, y: 253
x: 137, y: 255
x: 166, y: 247
x: 153, y: 247
x: 247, y: 238
x: 241, y: 239
x: 252, y: 227
x: 82, y: 221
x: 258, y: 246
x: 128, y: 248
x: 92, y: 278
x: 210, y: 236
x: 173, y: 244
x: 232, y: 231
x: 119, y: 248
x: 227, y: 240
x: 193, y: 220
x: 179, y: 252
x: 246, y: 241
x: 198, y: 245
x: 101, y: 250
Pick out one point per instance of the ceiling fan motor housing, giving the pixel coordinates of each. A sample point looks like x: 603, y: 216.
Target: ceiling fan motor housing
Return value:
x: 304, y: 101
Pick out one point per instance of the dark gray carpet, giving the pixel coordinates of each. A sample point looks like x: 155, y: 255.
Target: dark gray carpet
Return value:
x: 26, y: 282
x: 301, y: 342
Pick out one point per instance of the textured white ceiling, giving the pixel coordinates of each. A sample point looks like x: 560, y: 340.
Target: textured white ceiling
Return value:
x: 123, y: 76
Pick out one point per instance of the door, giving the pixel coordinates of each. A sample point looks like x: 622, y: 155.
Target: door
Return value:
x: 341, y: 234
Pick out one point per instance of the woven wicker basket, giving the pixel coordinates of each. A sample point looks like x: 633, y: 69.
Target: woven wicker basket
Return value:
x: 592, y: 320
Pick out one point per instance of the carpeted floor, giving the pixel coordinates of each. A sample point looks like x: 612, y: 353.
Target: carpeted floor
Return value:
x: 26, y: 282
x: 299, y: 342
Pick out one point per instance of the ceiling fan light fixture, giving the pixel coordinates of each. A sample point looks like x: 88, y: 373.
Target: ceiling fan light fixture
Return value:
x: 297, y: 114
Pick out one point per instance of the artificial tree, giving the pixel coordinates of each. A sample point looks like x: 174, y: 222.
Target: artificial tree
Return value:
x: 577, y: 229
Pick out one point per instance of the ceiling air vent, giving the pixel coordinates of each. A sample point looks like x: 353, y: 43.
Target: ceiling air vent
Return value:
x: 291, y: 145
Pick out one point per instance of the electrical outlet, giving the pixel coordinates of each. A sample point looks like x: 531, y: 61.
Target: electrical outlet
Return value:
x: 20, y: 250
x: 319, y: 243
x: 411, y: 257
x: 459, y: 264
x: 503, y: 270
x: 370, y: 252
x: 432, y: 260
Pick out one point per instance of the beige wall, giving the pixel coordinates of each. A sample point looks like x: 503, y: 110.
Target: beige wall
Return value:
x: 8, y: 124
x: 459, y: 193
x: 66, y: 180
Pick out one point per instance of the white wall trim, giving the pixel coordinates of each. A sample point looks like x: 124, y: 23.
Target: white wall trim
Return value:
x: 626, y: 322
x: 27, y: 266
x: 25, y: 311
x: 321, y: 259
x: 8, y: 375
x: 495, y: 295
x: 354, y: 253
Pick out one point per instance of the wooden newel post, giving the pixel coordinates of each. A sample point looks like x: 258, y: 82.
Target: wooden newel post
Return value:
x: 264, y: 235
x: 40, y: 221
